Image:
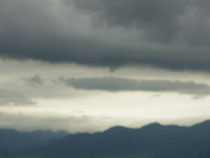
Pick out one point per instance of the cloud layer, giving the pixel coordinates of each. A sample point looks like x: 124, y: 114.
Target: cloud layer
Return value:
x: 142, y: 40
x: 168, y: 34
x: 121, y: 84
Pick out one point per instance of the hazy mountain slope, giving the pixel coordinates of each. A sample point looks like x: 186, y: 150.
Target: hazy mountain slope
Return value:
x: 153, y: 140
x: 15, y: 141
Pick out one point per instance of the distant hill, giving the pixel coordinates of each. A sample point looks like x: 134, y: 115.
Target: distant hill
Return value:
x: 16, y: 141
x: 151, y: 141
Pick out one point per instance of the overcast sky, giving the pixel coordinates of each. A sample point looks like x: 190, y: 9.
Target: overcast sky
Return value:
x: 87, y: 65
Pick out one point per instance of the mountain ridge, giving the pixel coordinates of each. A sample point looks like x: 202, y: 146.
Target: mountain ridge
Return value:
x: 153, y: 140
x: 150, y: 141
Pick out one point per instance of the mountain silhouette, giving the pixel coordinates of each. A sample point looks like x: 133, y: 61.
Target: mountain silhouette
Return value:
x: 151, y: 141
x: 16, y: 141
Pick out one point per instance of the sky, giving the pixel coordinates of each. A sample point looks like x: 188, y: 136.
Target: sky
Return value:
x: 88, y: 65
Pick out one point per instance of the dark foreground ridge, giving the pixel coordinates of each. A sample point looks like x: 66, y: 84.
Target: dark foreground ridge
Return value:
x: 151, y: 141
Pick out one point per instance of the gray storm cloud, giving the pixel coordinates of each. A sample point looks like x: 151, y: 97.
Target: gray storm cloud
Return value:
x: 121, y: 84
x: 168, y: 34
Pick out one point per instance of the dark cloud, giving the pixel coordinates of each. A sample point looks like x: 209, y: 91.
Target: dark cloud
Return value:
x: 121, y: 84
x: 159, y: 18
x: 169, y: 34
x: 163, y: 20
